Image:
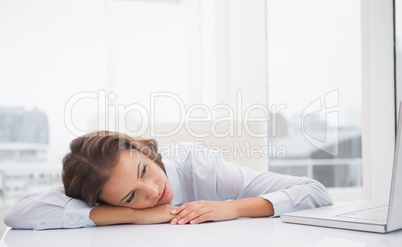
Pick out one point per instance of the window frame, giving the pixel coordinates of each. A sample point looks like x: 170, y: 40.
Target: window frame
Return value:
x: 378, y: 88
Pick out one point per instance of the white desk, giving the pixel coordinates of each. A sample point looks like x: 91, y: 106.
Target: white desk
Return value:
x: 241, y: 232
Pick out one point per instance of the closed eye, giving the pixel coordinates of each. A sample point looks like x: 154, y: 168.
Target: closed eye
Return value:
x: 130, y: 197
x: 144, y: 170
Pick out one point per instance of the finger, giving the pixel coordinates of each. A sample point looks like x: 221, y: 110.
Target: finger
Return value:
x: 202, y: 218
x: 188, y: 210
x: 174, y: 210
x: 180, y: 215
x: 193, y: 215
x: 179, y: 209
x: 184, y: 213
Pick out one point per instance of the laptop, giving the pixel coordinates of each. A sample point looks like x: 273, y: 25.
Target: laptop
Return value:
x: 363, y: 215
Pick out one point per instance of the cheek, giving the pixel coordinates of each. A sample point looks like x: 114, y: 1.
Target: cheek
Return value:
x: 157, y: 173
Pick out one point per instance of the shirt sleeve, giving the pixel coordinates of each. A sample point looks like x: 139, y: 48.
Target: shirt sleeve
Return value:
x: 286, y: 193
x: 48, y: 210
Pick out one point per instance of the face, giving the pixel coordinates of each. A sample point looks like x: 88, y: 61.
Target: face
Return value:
x: 136, y: 182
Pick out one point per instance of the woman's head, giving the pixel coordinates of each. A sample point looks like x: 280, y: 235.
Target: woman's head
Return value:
x: 106, y: 166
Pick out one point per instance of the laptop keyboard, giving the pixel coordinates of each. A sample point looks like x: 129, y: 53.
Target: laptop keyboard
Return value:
x: 378, y: 214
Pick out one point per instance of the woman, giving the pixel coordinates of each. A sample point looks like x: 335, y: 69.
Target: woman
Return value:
x: 111, y: 178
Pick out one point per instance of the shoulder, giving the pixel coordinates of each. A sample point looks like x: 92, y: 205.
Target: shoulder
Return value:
x: 53, y: 194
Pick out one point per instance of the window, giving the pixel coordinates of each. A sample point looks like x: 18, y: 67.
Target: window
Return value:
x: 314, y: 81
x: 49, y: 51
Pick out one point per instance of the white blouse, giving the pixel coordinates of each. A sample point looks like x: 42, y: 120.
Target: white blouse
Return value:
x: 195, y: 174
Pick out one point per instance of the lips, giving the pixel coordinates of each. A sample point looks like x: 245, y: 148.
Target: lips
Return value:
x: 163, y: 196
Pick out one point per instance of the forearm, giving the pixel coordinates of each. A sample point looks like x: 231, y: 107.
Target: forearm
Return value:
x: 253, y: 207
x: 110, y: 215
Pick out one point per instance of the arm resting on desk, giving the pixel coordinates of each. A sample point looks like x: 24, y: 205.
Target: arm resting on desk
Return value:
x: 201, y: 211
x: 48, y: 210
x: 285, y: 193
x: 110, y: 215
x: 54, y: 210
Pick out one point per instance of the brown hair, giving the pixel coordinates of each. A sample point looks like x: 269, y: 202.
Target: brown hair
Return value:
x: 88, y: 166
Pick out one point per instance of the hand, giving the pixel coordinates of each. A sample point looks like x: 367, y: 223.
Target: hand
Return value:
x: 154, y: 215
x: 201, y: 211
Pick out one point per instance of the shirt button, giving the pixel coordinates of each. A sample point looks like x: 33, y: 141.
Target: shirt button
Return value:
x: 71, y: 222
x: 81, y: 220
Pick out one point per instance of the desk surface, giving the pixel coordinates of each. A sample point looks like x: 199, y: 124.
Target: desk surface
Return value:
x: 241, y: 232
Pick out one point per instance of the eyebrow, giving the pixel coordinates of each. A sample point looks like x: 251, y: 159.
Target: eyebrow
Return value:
x: 138, y: 174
